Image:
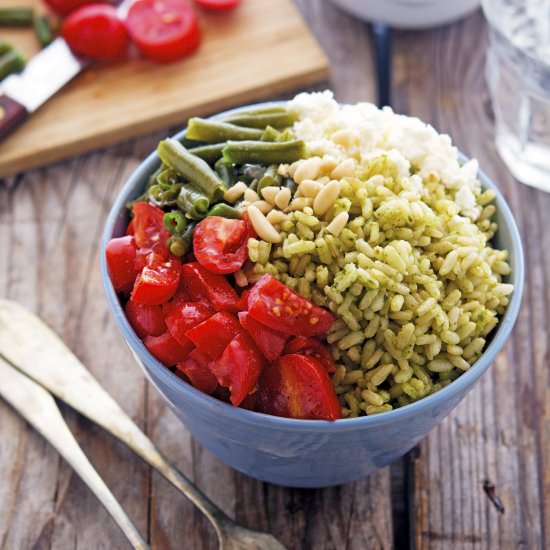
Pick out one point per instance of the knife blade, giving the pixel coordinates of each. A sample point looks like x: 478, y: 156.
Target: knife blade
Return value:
x: 45, y: 74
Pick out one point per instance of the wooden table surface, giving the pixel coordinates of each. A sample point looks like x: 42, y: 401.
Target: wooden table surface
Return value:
x: 50, y: 224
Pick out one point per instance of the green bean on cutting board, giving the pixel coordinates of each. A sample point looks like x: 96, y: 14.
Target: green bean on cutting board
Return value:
x: 264, y: 152
x: 224, y: 210
x: 16, y: 17
x: 43, y: 29
x: 193, y: 202
x: 210, y: 131
x: 11, y: 62
x: 276, y: 120
x: 192, y: 168
x: 209, y: 153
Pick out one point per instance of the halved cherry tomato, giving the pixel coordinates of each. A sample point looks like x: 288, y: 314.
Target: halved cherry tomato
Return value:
x: 202, y: 285
x: 272, y: 303
x: 149, y: 229
x: 120, y: 254
x: 158, y: 281
x: 195, y: 367
x: 298, y: 386
x: 314, y: 348
x: 218, y: 5
x: 182, y: 316
x: 238, y: 368
x: 166, y: 349
x: 95, y: 31
x: 250, y: 401
x: 213, y: 335
x: 220, y: 244
x: 164, y: 30
x: 270, y: 342
x: 64, y: 7
x: 130, y: 229
x: 145, y: 320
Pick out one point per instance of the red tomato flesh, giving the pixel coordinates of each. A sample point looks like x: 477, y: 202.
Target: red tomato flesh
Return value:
x: 314, y: 348
x: 298, y: 386
x: 195, y: 367
x: 238, y: 368
x: 64, y: 7
x: 145, y: 320
x: 182, y: 316
x: 166, y: 349
x: 123, y: 268
x: 158, y: 281
x: 148, y: 227
x: 275, y: 305
x: 96, y: 32
x: 218, y: 5
x: 220, y: 244
x: 270, y: 342
x: 203, y: 285
x: 163, y: 30
x: 213, y: 335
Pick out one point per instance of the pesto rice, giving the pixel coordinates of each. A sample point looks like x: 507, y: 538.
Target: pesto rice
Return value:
x: 387, y: 229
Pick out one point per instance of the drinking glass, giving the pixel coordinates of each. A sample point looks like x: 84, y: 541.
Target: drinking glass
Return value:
x: 518, y: 74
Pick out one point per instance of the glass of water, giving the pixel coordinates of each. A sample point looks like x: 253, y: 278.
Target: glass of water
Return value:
x: 518, y: 74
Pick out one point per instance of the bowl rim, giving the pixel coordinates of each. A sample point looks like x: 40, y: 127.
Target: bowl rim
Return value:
x: 457, y: 387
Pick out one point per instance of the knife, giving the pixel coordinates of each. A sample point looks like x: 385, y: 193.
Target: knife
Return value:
x: 45, y: 74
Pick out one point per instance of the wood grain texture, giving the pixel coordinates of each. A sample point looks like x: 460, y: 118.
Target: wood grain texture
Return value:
x: 245, y: 55
x: 501, y: 431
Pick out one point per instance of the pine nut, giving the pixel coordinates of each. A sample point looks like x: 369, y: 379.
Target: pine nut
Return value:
x: 309, y: 188
x: 282, y: 198
x: 276, y: 216
x: 307, y: 169
x: 345, y: 137
x: 344, y: 169
x: 251, y: 196
x: 328, y: 164
x: 269, y: 193
x: 326, y: 197
x: 262, y: 227
x: 263, y: 206
x: 338, y: 223
x: 235, y: 192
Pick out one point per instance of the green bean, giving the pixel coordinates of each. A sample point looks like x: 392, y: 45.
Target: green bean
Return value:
x: 226, y: 172
x: 175, y: 222
x: 5, y: 47
x: 209, y: 153
x: 163, y: 194
x: 11, y: 62
x: 252, y: 172
x: 153, y: 177
x: 16, y: 17
x: 167, y: 176
x: 192, y: 168
x: 269, y: 109
x: 43, y: 29
x: 270, y: 179
x: 210, y: 131
x: 179, y: 245
x: 224, y: 210
x: 263, y: 152
x: 193, y: 202
x: 270, y: 134
x: 276, y: 120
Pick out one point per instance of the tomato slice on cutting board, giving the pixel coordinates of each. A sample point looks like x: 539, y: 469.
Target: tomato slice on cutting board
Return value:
x: 238, y: 368
x: 297, y: 386
x: 275, y: 305
x: 220, y: 244
x: 163, y: 30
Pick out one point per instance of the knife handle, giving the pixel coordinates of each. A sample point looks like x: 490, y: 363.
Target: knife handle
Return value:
x: 12, y: 114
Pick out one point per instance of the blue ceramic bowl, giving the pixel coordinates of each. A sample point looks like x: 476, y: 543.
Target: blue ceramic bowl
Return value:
x: 306, y: 453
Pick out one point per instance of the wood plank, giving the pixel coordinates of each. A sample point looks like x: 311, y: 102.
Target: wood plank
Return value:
x: 500, y: 431
x: 245, y: 55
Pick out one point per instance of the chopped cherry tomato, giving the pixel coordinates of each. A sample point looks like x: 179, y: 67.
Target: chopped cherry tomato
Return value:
x: 298, y: 386
x: 148, y: 226
x: 121, y: 261
x: 272, y: 303
x: 218, y: 5
x: 213, y: 335
x: 182, y: 316
x: 96, y: 32
x: 238, y: 368
x: 220, y: 244
x: 202, y: 285
x: 166, y: 349
x: 250, y: 401
x: 314, y: 348
x: 158, y: 281
x: 64, y: 7
x: 270, y: 342
x: 243, y: 300
x: 130, y: 229
x: 145, y: 320
x: 163, y: 31
x: 195, y: 367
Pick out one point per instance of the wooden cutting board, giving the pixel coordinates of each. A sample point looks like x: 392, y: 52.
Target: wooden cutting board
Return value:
x: 261, y: 49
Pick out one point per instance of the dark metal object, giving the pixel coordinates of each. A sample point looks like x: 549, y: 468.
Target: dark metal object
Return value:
x: 382, y: 48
